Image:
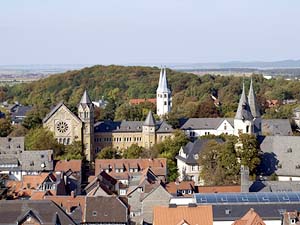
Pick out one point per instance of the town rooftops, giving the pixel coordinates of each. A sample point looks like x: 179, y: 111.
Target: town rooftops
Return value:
x: 43, y: 212
x: 183, y: 215
x: 158, y: 166
x: 284, y: 152
x: 137, y: 101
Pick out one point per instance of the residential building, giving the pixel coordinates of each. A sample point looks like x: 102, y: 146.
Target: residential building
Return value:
x: 16, y: 162
x: 25, y: 212
x: 290, y: 218
x: 183, y: 188
x: 187, y: 160
x: 250, y: 218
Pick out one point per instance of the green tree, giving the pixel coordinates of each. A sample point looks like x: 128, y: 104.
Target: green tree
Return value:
x: 108, y: 153
x: 73, y: 151
x: 248, y: 151
x: 168, y: 149
x: 133, y: 152
x: 34, y: 117
x: 5, y: 127
x: 43, y: 139
x: 18, y: 131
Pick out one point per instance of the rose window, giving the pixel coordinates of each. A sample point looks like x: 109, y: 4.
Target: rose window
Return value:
x: 62, y: 127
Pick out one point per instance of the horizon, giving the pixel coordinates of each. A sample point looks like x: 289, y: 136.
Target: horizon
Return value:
x: 142, y: 32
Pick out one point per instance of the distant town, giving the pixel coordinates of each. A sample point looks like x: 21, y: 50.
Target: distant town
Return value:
x: 76, y: 164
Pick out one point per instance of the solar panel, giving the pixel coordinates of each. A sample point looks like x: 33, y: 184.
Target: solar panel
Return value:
x: 259, y: 197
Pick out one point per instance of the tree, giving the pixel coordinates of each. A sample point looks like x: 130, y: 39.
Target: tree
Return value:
x: 5, y: 127
x: 168, y: 149
x: 108, y: 153
x: 43, y: 139
x: 34, y: 117
x: 73, y: 151
x: 133, y: 152
x: 18, y: 131
x: 248, y: 152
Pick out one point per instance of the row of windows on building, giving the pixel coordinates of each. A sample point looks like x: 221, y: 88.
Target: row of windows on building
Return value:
x: 118, y: 139
x: 65, y: 141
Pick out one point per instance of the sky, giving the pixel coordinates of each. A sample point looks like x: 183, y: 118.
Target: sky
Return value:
x: 148, y: 31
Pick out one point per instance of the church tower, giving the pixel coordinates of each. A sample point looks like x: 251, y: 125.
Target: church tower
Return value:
x: 149, y: 131
x: 243, y: 121
x: 163, y: 95
x: 86, y: 115
x: 254, y: 109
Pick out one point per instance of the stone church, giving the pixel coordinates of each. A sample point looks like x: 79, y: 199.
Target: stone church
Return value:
x: 68, y: 127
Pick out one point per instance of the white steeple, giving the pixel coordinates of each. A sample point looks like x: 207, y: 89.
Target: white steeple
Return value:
x: 163, y: 95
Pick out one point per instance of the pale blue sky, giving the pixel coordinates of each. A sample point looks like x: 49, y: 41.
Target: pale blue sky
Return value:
x: 147, y: 31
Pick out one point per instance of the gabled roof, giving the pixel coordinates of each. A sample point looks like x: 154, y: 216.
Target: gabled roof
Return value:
x: 201, y: 215
x: 55, y: 109
x: 250, y: 218
x: 12, y: 212
x: 204, y: 123
x: 150, y: 121
x: 243, y: 112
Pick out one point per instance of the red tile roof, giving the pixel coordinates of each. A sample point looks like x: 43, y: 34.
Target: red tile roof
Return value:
x: 200, y: 215
x: 137, y: 101
x: 158, y: 166
x: 172, y: 187
x: 219, y: 189
x: 65, y: 165
x: 250, y: 218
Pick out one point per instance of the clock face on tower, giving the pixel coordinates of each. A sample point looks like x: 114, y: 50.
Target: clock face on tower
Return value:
x: 62, y: 127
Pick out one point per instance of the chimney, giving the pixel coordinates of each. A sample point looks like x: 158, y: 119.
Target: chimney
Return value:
x: 73, y: 194
x: 244, y: 178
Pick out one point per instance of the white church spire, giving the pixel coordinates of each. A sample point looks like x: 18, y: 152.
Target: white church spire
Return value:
x: 163, y: 95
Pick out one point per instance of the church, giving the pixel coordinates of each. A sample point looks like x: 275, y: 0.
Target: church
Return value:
x: 68, y: 127
x: 94, y: 136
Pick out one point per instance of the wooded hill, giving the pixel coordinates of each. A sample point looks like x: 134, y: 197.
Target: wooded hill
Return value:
x: 118, y: 84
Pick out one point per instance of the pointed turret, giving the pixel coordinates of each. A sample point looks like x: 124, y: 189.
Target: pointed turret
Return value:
x: 243, y: 112
x: 163, y: 95
x: 150, y: 121
x: 85, y: 99
x: 252, y: 102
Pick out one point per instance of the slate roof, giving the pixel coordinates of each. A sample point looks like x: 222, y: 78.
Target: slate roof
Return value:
x: 150, y: 121
x: 129, y: 126
x: 274, y: 186
x: 243, y: 112
x: 163, y: 82
x: 284, y: 154
x: 47, y: 212
x: 204, y: 123
x: 252, y: 102
x: 37, y: 160
x: 11, y: 145
x: 267, y: 211
x: 276, y: 127
x: 193, y: 148
x: 85, y: 99
x: 18, y: 112
x: 105, y: 210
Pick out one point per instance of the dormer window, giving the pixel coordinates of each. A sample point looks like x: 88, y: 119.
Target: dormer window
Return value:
x: 196, y: 156
x: 289, y: 150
